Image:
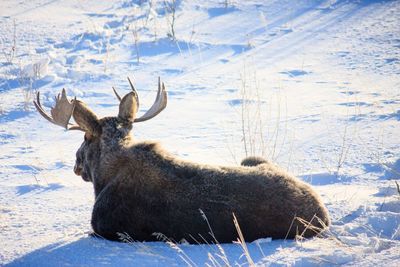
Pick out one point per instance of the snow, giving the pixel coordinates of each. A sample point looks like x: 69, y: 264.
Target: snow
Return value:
x: 324, y: 75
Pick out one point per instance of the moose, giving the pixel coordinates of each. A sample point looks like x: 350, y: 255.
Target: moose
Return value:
x: 141, y: 189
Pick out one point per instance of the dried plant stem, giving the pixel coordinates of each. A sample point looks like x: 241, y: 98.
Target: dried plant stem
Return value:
x: 242, y: 242
x: 170, y: 7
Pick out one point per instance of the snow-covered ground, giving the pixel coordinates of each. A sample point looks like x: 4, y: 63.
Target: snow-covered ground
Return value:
x: 314, y: 84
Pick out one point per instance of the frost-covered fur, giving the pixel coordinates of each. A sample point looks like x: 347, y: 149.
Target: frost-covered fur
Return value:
x: 141, y: 189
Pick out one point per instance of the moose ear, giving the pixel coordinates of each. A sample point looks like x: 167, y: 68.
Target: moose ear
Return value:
x: 128, y: 108
x: 86, y: 119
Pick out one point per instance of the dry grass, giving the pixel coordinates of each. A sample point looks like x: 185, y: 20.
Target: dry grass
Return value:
x: 263, y: 119
x: 241, y: 241
x: 136, y: 39
x: 9, y: 47
x: 217, y: 256
x: 170, y: 7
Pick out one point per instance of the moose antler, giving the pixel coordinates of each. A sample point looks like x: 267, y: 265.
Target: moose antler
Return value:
x: 135, y: 94
x: 61, y: 113
x: 159, y: 104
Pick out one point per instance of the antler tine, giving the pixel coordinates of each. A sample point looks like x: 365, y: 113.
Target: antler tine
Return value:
x: 39, y: 108
x: 159, y: 104
x: 116, y: 94
x: 135, y: 94
x: 61, y: 113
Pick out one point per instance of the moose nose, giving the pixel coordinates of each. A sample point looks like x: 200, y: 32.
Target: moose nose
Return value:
x: 77, y: 170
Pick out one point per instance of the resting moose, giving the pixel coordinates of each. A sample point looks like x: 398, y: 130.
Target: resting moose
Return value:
x: 140, y: 189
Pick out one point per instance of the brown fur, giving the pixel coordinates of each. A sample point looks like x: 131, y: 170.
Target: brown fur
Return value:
x: 141, y: 189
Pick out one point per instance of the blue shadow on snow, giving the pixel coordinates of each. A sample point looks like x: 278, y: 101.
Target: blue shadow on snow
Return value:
x: 25, y: 189
x: 89, y: 251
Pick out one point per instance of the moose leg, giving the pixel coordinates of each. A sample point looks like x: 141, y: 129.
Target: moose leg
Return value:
x: 104, y: 220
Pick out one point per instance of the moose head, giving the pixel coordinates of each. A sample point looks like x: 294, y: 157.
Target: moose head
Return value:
x: 101, y: 135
